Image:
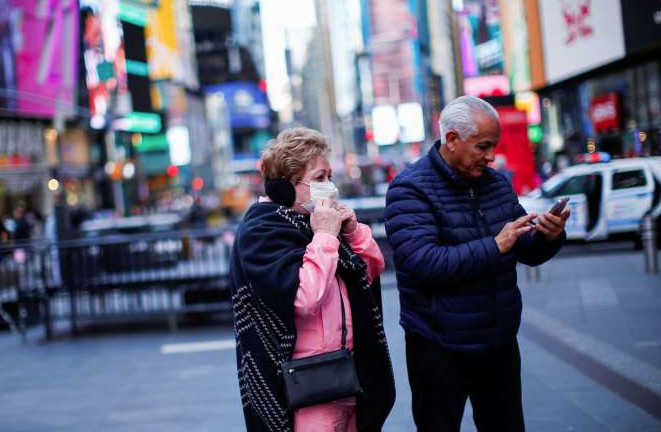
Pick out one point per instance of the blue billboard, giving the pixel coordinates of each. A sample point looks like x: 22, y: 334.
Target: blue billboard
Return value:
x: 247, y: 103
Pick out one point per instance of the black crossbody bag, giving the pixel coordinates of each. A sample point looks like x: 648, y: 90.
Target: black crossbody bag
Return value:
x: 321, y: 378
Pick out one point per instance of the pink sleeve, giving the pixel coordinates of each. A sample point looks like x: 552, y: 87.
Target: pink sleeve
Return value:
x: 363, y: 244
x: 317, y: 274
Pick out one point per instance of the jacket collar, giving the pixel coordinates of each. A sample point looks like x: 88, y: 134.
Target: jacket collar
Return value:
x: 449, y: 173
x: 442, y: 166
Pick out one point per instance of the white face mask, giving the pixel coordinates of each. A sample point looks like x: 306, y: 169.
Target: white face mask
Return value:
x: 319, y: 190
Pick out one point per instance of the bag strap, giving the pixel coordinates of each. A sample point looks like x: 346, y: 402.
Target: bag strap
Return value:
x: 344, y: 319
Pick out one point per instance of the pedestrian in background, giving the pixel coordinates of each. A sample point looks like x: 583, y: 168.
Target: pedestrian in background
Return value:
x: 197, y: 217
x: 23, y: 230
x: 457, y: 231
x: 4, y: 232
x: 4, y: 239
x: 296, y: 263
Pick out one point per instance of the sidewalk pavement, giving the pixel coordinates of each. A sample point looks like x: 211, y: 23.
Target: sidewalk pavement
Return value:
x: 591, y: 335
x: 590, y: 344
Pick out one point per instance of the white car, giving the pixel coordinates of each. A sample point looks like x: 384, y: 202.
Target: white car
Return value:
x: 605, y: 198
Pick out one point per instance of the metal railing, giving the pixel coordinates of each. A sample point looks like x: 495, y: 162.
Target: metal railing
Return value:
x: 117, y: 276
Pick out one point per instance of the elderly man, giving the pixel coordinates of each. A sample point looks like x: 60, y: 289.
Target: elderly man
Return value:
x: 457, y: 231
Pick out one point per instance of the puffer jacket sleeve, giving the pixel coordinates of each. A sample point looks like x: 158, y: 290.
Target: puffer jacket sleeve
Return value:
x: 414, y: 237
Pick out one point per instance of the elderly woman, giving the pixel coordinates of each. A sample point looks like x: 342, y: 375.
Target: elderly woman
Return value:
x: 296, y: 264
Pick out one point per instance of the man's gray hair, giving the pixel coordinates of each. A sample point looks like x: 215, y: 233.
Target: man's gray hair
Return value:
x: 459, y: 114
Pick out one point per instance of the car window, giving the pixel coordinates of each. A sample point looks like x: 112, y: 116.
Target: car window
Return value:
x: 629, y: 179
x: 582, y: 184
x: 552, y: 183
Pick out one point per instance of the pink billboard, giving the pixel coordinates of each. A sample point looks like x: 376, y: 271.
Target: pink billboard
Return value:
x: 45, y: 47
x: 394, y: 69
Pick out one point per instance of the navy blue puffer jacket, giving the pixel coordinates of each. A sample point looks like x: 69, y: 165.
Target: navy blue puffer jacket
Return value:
x: 455, y: 286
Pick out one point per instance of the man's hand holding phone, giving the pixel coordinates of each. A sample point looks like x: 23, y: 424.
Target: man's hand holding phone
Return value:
x: 507, y: 237
x: 552, y: 223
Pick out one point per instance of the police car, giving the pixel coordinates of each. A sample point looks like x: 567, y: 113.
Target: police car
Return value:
x: 606, y: 198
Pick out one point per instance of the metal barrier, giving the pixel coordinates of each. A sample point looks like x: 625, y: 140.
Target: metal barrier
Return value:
x: 648, y: 237
x: 533, y: 273
x: 20, y: 266
x: 119, y: 276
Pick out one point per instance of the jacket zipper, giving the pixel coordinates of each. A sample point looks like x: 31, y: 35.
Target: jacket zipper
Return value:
x: 480, y: 213
x: 476, y: 205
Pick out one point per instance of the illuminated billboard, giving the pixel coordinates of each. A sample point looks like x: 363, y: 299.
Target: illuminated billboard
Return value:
x: 162, y: 47
x: 394, y: 52
x: 480, y: 38
x: 170, y: 47
x: 38, y: 57
x: 515, y: 43
x: 580, y: 35
x: 105, y: 60
x: 117, y: 71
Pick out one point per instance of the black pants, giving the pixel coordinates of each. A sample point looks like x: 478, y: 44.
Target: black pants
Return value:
x: 441, y: 380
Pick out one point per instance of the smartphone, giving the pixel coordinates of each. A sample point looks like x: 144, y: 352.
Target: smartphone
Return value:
x: 559, y: 206
x: 556, y: 210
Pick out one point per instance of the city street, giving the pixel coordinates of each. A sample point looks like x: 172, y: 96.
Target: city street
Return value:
x: 136, y: 135
x: 590, y: 343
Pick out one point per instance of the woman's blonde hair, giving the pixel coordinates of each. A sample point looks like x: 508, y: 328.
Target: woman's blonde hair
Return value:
x: 288, y: 155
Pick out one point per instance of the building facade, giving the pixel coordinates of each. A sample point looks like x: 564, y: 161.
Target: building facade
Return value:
x: 602, y: 84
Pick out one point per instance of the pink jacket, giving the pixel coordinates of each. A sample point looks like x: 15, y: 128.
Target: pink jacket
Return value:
x: 317, y: 310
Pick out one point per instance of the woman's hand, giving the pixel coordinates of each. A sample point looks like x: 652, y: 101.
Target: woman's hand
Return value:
x: 325, y: 218
x: 348, y: 216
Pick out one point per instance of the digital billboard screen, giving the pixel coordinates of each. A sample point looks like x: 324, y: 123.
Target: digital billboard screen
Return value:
x: 480, y: 38
x: 579, y: 35
x: 38, y: 57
